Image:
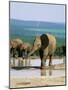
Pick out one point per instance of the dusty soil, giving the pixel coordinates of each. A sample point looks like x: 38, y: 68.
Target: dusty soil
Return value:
x: 36, y: 81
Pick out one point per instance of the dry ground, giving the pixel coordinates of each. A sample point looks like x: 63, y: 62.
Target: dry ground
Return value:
x: 36, y: 81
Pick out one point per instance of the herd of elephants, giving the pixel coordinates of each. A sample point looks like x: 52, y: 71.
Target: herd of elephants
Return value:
x: 44, y: 44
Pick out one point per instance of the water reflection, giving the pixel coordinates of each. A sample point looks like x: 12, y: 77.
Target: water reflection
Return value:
x: 36, y: 62
x: 44, y: 72
x: 36, y: 72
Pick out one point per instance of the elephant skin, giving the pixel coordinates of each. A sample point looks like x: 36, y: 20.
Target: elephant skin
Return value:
x: 46, y: 45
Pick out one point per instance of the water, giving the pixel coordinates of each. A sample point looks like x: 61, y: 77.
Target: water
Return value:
x: 34, y: 72
x: 37, y: 62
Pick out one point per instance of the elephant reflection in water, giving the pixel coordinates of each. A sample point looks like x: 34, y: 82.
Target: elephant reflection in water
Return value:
x: 45, y: 72
x: 46, y: 45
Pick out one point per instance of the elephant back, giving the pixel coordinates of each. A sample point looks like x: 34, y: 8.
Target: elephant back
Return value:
x: 44, y: 41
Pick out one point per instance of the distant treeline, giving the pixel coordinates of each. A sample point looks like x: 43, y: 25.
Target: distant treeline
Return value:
x: 60, y: 51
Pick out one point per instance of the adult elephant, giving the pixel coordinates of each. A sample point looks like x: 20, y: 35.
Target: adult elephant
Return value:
x: 46, y: 44
x: 21, y: 50
x: 14, y: 45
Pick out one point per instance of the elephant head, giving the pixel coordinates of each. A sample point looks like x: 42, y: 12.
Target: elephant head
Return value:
x: 14, y: 44
x: 36, y: 45
x: 40, y: 42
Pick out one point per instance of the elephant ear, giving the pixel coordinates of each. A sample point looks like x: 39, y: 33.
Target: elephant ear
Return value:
x: 44, y: 41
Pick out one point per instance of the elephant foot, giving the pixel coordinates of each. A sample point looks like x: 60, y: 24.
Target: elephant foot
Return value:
x: 51, y: 67
x: 49, y: 64
x: 42, y: 67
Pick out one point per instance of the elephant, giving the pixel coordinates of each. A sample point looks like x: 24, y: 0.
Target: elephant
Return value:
x: 25, y: 49
x: 46, y: 45
x: 14, y: 45
x: 20, y: 49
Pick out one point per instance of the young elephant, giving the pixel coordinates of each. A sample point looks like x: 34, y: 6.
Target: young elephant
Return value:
x: 46, y: 44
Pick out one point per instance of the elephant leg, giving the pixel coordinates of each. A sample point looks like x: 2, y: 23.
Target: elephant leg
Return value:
x: 25, y: 61
x: 50, y: 71
x: 19, y: 62
x: 43, y: 61
x: 42, y: 64
x: 29, y: 62
x: 42, y: 58
x: 50, y: 60
x: 13, y: 61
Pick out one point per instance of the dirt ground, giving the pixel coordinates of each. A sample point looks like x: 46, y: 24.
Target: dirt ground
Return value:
x: 16, y: 82
x: 36, y: 81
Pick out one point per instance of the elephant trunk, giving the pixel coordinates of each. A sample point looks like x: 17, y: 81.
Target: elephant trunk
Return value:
x: 32, y: 51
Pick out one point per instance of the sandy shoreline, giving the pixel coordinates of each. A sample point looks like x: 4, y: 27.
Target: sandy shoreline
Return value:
x: 36, y: 81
